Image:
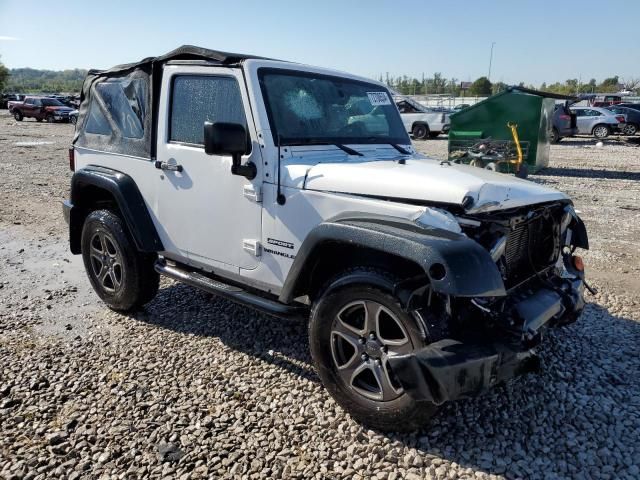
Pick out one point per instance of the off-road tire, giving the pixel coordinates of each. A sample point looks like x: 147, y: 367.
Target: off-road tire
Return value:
x: 17, y: 114
x: 139, y: 281
x: 601, y: 131
x: 420, y: 131
x: 403, y: 413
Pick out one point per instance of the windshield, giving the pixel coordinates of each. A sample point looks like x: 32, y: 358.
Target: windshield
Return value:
x: 51, y: 102
x: 311, y: 109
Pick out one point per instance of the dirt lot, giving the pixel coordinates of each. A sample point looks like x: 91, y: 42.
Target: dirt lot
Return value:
x: 198, y: 387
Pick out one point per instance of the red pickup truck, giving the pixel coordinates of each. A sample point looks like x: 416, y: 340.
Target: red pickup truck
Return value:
x: 40, y: 108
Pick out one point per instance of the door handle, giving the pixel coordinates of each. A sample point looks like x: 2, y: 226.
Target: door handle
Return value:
x: 168, y: 166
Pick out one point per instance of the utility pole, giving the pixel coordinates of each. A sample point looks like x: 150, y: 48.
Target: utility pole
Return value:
x: 490, y: 60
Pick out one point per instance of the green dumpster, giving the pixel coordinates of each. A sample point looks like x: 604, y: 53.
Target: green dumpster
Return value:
x: 530, y: 110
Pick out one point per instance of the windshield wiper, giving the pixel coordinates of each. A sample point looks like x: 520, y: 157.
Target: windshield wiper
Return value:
x: 348, y: 150
x: 400, y: 149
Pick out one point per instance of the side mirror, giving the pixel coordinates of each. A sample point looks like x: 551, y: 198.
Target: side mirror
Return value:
x: 229, y: 139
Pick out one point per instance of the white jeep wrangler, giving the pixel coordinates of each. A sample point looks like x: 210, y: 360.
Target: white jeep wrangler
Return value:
x: 295, y: 190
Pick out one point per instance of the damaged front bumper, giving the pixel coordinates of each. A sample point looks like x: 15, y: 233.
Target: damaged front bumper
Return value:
x: 450, y: 369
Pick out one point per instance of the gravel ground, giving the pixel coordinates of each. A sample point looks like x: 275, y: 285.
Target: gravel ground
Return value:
x: 195, y: 387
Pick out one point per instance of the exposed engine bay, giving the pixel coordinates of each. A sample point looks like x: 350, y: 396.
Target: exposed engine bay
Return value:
x: 477, y: 342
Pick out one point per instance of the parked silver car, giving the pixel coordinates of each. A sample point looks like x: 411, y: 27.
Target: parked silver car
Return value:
x: 597, y: 121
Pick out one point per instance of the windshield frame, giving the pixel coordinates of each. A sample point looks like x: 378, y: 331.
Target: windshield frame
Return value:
x: 372, y: 140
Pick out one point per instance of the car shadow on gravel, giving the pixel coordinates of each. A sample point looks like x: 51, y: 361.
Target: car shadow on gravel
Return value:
x: 588, y: 173
x: 537, y: 426
x: 590, y: 142
x: 573, y: 419
x: 281, y: 342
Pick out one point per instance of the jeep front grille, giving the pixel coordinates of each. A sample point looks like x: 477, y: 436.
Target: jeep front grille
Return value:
x: 531, y: 247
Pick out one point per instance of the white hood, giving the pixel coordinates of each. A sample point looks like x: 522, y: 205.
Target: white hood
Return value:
x: 428, y: 180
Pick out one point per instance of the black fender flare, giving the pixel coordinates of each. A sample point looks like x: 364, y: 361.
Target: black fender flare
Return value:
x: 469, y: 270
x: 128, y: 198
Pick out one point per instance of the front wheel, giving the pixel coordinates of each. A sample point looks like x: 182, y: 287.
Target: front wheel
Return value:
x: 355, y: 327
x: 74, y: 120
x: 420, y: 131
x: 123, y: 277
x: 601, y: 131
x: 50, y: 118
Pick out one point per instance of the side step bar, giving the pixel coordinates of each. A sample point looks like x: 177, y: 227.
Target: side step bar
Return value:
x: 230, y: 292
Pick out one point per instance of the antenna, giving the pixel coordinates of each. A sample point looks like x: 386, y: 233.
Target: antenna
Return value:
x: 280, y: 198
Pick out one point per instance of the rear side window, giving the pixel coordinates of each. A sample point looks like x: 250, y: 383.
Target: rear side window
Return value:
x: 121, y: 100
x: 198, y: 98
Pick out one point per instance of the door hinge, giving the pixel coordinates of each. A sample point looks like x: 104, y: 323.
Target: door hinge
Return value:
x: 252, y: 193
x: 254, y: 247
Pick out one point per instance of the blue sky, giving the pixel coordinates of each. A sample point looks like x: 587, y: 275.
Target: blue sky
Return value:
x: 535, y: 41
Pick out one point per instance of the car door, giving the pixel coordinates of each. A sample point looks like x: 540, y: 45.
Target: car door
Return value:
x: 207, y: 215
x: 27, y: 107
x: 582, y: 120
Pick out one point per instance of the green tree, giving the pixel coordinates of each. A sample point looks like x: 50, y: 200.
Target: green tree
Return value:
x: 481, y: 87
x: 498, y: 87
x: 609, y: 85
x: 4, y: 76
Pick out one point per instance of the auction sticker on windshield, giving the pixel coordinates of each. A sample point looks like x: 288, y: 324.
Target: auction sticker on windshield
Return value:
x: 379, y: 98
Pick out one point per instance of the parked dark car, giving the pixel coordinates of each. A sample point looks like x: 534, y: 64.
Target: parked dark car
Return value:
x: 564, y: 123
x: 632, y: 118
x: 40, y: 108
x: 635, y: 106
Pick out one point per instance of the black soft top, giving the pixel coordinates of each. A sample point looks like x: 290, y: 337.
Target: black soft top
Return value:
x: 185, y: 52
x: 119, y: 106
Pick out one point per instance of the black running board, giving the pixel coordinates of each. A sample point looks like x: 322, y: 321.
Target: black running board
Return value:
x: 233, y: 293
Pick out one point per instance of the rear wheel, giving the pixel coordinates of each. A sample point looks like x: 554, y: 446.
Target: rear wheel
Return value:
x: 420, y: 131
x: 50, y: 118
x: 630, y: 129
x: 356, y: 325
x: 74, y: 119
x: 601, y: 131
x: 123, y: 277
x: 554, y: 137
x: 18, y: 115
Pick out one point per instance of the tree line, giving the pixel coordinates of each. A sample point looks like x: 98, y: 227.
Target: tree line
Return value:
x: 438, y: 84
x: 30, y: 80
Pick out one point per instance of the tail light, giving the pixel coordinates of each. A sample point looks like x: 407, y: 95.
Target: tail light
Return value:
x: 578, y: 263
x: 72, y: 159
x: 565, y: 117
x: 620, y: 118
